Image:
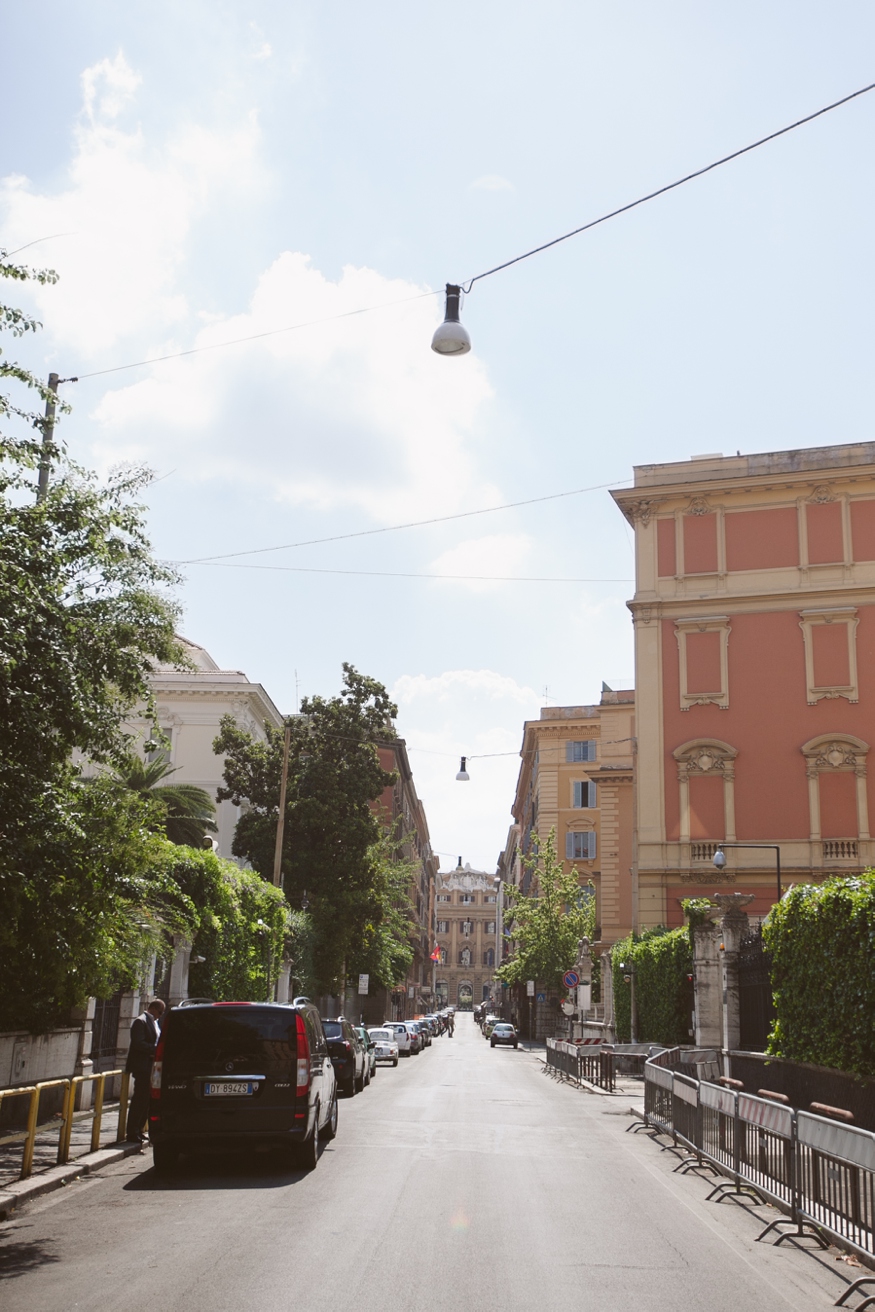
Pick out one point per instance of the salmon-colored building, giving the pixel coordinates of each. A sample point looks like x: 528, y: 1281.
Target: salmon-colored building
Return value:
x: 754, y: 615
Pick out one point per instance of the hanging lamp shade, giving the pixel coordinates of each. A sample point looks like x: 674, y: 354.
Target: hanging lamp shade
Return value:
x: 463, y: 776
x: 451, y: 338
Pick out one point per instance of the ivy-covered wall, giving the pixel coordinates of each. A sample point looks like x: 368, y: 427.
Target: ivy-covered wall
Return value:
x: 821, y: 939
x: 242, y: 957
x: 663, y: 961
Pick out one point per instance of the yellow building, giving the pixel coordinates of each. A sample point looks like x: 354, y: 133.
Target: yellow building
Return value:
x: 576, y: 777
x: 466, y: 928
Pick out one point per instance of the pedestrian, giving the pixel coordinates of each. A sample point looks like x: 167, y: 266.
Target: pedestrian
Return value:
x: 450, y: 1025
x: 145, y: 1033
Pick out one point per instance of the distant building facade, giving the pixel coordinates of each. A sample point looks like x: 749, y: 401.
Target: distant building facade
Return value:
x: 576, y: 777
x: 754, y: 616
x: 466, y: 931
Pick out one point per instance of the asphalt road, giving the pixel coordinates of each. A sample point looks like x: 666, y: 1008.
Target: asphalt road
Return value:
x: 466, y: 1178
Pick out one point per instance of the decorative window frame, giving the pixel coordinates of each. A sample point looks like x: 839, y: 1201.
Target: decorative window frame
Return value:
x: 812, y: 619
x: 703, y: 624
x: 836, y: 753
x: 706, y: 756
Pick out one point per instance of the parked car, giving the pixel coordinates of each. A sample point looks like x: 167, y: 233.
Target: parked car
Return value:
x: 425, y: 1031
x: 416, y: 1043
x: 385, y: 1045
x: 348, y: 1054
x: 503, y: 1032
x: 370, y: 1049
x: 402, y: 1036
x: 488, y: 1025
x: 232, y: 1075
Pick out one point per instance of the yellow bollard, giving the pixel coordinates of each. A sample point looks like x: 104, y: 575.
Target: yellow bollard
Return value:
x: 97, y: 1114
x: 66, y: 1120
x: 30, y: 1141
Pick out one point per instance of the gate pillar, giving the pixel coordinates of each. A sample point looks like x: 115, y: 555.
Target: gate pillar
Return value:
x: 734, y: 924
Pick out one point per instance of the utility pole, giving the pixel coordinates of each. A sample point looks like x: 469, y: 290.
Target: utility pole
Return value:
x: 281, y: 818
x: 48, y: 427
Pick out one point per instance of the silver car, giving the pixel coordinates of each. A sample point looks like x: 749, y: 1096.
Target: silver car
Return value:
x: 385, y: 1045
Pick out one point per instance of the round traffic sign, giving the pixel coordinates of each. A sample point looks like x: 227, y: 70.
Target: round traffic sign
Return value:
x: 571, y: 979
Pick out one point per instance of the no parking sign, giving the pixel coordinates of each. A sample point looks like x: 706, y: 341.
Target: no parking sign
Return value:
x: 571, y: 979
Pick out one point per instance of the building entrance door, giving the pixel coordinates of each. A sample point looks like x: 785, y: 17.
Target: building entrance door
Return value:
x: 466, y: 997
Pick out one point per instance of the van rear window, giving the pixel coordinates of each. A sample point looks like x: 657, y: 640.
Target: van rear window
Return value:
x: 213, y: 1039
x: 333, y: 1029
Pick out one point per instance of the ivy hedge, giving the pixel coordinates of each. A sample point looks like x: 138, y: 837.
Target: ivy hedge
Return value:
x: 241, y: 926
x: 821, y: 940
x: 663, y: 961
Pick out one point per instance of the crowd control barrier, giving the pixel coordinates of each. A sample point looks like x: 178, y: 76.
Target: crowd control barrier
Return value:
x: 64, y: 1127
x: 818, y: 1172
x: 588, y: 1061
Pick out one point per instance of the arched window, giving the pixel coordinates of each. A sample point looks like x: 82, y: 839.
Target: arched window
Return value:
x: 489, y: 957
x: 465, y: 957
x: 443, y: 956
x: 838, y: 807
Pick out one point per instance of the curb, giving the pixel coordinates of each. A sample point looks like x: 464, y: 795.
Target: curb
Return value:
x: 24, y: 1191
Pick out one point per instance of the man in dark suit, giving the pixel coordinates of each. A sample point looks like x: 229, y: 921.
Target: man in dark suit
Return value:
x: 145, y: 1033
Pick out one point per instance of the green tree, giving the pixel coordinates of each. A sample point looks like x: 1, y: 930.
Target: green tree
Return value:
x: 663, y: 961
x: 546, y: 923
x: 385, y: 948
x: 85, y: 613
x: 187, y: 810
x: 331, y: 828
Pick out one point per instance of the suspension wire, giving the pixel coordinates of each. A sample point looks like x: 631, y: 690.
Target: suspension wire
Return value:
x: 660, y: 191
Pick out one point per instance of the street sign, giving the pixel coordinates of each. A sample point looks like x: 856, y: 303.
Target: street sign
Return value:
x: 530, y: 988
x: 542, y: 997
x: 571, y: 979
x: 363, y: 983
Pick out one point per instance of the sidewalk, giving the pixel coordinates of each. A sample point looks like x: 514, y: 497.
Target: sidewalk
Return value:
x: 47, y: 1175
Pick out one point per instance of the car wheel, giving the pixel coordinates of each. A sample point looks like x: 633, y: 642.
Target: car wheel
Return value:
x: 348, y: 1087
x: 329, y: 1130
x: 164, y: 1158
x: 308, y: 1153
x: 395, y: 1062
x: 360, y: 1083
x: 373, y: 1072
x: 516, y: 1045
x: 491, y: 1044
x: 366, y: 1078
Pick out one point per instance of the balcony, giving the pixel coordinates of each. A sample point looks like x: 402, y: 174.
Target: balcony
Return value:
x: 703, y: 851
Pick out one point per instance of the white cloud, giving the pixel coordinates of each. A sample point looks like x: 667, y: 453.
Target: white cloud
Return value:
x: 355, y: 413
x: 497, y: 555
x: 479, y: 714
x: 491, y: 182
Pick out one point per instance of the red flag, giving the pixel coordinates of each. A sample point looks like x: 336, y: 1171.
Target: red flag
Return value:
x: 436, y: 955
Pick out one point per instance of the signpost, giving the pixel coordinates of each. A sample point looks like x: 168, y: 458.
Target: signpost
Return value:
x: 530, y: 994
x: 363, y: 983
x: 571, y: 979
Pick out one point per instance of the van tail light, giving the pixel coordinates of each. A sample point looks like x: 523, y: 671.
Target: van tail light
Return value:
x: 302, y: 1078
x: 157, y: 1067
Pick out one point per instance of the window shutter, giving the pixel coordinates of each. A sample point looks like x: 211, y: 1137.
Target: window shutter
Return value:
x: 569, y: 847
x: 591, y: 846
x: 569, y: 751
x: 592, y: 795
x: 578, y: 797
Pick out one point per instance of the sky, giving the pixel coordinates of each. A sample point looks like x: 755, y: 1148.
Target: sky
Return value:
x: 206, y: 172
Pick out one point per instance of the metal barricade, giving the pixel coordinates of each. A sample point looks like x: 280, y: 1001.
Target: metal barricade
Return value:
x: 65, y: 1127
x: 835, y: 1181
x: 717, y: 1127
x: 765, y: 1141
x: 658, y: 1082
x: 597, y: 1067
x: 685, y: 1111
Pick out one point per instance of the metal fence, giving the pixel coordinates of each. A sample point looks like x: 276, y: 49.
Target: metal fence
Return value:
x: 589, y: 1062
x: 64, y: 1127
x: 818, y: 1172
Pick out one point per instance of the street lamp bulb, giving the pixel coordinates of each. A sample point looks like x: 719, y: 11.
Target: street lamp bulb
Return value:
x: 463, y: 776
x: 451, y: 338
x: 720, y: 858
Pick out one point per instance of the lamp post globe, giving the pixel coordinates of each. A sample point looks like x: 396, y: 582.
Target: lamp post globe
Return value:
x: 720, y: 859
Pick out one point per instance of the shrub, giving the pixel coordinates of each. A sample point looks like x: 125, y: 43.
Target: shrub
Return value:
x: 821, y: 939
x: 663, y: 960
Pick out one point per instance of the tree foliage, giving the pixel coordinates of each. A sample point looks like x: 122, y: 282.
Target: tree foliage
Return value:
x: 84, y: 615
x: 186, y: 809
x: 663, y: 962
x: 331, y: 830
x: 547, y: 923
x: 821, y: 940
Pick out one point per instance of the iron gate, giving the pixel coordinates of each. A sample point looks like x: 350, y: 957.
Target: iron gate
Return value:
x: 756, y: 1005
x: 104, y: 1032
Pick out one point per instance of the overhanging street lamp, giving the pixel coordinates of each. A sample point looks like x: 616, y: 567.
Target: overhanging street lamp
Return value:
x: 451, y: 338
x: 720, y: 857
x: 463, y: 776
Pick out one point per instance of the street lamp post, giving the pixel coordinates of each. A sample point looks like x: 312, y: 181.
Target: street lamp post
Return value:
x: 281, y: 818
x: 720, y: 858
x: 629, y: 972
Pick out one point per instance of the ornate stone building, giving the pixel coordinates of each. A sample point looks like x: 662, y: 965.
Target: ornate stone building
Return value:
x: 466, y: 925
x: 754, y: 615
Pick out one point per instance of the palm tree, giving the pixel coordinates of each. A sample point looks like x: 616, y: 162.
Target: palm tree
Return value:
x: 188, y: 809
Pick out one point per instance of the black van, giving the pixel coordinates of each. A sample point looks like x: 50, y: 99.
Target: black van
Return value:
x: 231, y: 1075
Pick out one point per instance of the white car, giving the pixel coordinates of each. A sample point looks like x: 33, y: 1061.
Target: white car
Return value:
x: 385, y: 1044
x: 402, y: 1036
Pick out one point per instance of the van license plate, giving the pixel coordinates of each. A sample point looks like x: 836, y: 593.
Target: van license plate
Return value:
x: 228, y: 1089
